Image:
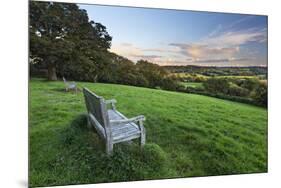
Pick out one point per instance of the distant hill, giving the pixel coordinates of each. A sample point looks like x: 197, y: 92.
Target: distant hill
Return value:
x: 215, y: 71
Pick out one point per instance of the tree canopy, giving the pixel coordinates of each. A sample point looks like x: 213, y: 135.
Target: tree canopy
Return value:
x: 61, y: 34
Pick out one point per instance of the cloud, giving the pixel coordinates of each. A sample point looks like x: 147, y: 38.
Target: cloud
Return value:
x: 215, y: 31
x: 220, y: 46
x: 126, y: 49
x: 126, y: 44
x: 198, y: 51
x: 135, y: 53
x: 148, y: 56
x: 237, y: 22
x: 182, y: 54
x: 162, y: 50
x: 237, y: 38
x: 226, y: 60
x: 224, y: 47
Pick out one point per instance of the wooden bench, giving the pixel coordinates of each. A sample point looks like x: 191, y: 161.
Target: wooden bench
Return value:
x: 112, y: 126
x: 69, y: 85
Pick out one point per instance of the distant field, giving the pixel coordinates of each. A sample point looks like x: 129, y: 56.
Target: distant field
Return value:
x: 262, y: 77
x: 197, y: 136
x: 184, y: 75
x: 192, y: 84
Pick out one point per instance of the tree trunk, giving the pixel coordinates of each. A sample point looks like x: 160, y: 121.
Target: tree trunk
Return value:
x: 52, y: 75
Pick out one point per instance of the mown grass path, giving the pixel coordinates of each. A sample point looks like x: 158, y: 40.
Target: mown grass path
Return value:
x: 198, y: 135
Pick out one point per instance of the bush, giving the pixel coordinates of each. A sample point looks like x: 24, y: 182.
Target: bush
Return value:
x: 235, y: 90
x: 194, y: 89
x: 248, y: 83
x: 216, y: 85
x: 180, y: 88
x: 154, y: 156
x: 169, y: 83
x: 260, y: 94
x: 250, y: 90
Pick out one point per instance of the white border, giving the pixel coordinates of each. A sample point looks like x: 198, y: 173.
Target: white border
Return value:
x: 14, y: 80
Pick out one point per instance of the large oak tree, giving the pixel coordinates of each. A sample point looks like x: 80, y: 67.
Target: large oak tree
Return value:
x: 61, y: 34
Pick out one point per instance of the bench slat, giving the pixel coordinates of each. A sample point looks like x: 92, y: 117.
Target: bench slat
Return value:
x: 97, y: 125
x: 116, y: 115
x: 124, y: 139
x: 122, y: 131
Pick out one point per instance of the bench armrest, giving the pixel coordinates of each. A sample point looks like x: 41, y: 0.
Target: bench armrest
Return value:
x: 70, y: 83
x: 110, y: 101
x: 125, y: 121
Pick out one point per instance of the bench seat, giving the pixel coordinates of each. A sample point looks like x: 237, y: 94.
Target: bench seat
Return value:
x: 122, y: 132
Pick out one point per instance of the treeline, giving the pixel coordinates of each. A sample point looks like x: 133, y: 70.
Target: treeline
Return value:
x: 246, y: 90
x: 250, y: 88
x: 113, y: 68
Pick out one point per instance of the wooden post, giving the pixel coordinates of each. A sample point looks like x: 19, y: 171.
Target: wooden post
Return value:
x: 113, y: 106
x: 88, y: 122
x: 142, y: 137
x: 109, y: 147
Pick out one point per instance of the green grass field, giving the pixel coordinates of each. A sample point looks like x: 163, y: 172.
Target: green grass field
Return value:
x: 187, y: 135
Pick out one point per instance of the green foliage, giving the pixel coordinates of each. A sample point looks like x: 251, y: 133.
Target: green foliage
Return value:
x: 216, y: 85
x: 248, y: 90
x: 154, y: 157
x: 154, y: 74
x: 235, y: 90
x: 248, y: 83
x: 61, y: 33
x: 260, y: 94
x: 77, y: 127
x: 187, y: 135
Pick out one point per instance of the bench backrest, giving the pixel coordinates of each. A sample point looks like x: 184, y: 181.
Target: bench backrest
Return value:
x: 64, y: 80
x: 97, y: 107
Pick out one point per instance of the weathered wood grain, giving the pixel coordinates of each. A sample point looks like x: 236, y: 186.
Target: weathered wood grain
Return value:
x: 111, y: 125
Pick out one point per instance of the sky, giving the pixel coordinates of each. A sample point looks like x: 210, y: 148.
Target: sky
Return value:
x: 176, y: 37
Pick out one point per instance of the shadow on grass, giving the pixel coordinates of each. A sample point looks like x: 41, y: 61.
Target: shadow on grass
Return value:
x: 64, y: 91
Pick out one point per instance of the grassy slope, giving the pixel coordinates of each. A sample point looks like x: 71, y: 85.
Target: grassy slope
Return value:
x: 199, y: 135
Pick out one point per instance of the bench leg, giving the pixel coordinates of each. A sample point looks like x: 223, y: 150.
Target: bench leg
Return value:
x: 142, y: 138
x: 109, y: 148
x: 88, y: 122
